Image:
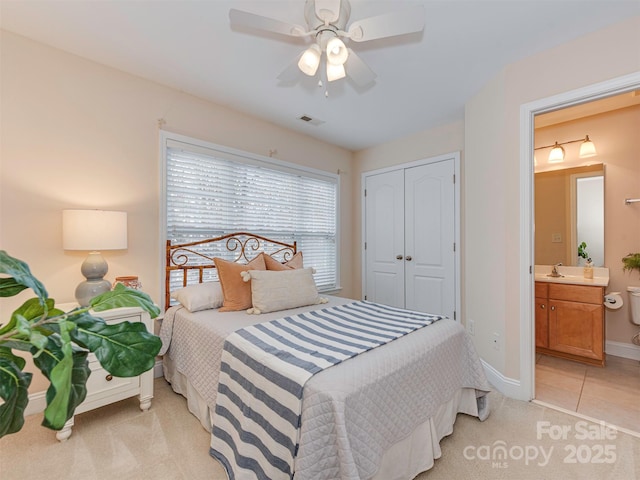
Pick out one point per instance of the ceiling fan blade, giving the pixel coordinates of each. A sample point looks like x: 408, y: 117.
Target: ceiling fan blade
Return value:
x: 388, y: 25
x: 358, y: 71
x: 291, y: 73
x: 241, y: 18
x: 327, y: 10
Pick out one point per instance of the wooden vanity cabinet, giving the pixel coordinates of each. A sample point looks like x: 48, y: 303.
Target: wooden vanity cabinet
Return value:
x: 542, y: 315
x: 574, y: 322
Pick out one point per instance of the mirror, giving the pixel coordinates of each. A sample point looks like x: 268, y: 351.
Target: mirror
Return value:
x: 569, y: 210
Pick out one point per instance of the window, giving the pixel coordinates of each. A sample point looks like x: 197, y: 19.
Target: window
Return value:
x: 212, y: 190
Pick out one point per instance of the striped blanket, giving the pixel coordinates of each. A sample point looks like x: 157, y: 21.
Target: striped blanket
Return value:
x: 263, y: 371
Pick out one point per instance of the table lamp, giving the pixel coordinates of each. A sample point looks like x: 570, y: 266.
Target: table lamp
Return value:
x: 93, y: 230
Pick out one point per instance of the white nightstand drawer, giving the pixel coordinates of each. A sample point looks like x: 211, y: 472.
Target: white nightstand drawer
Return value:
x: 101, y: 382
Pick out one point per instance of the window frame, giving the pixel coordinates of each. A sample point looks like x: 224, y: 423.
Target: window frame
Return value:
x: 209, y: 148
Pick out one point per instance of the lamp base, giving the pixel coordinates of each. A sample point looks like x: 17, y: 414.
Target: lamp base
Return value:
x: 93, y: 268
x: 88, y: 289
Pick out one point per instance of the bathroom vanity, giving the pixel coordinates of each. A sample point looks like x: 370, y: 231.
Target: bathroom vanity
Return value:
x: 570, y: 316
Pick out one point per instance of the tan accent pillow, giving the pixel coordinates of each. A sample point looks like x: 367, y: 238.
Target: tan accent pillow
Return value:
x: 236, y: 293
x: 273, y: 264
x: 272, y: 291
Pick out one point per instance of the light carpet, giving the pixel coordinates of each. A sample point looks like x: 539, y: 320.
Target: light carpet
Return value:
x: 519, y: 440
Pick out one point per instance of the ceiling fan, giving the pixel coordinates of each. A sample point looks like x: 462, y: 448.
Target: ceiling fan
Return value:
x: 327, y: 24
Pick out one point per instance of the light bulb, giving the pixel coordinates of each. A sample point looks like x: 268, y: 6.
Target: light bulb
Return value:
x: 335, y: 72
x: 337, y: 52
x: 310, y: 60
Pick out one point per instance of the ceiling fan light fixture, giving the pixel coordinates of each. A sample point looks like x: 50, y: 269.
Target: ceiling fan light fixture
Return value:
x: 335, y: 72
x: 337, y: 52
x: 587, y: 148
x: 310, y: 60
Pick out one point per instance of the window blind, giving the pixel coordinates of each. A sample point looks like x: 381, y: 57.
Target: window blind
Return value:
x: 211, y: 193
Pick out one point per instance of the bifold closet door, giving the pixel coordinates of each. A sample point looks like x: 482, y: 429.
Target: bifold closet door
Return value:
x: 384, y: 238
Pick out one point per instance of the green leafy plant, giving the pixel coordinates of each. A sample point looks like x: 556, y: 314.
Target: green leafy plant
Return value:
x: 631, y: 262
x: 582, y: 252
x: 59, y: 343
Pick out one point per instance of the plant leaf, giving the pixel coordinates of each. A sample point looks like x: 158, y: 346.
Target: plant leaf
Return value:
x: 124, y: 349
x: 21, y: 274
x: 31, y: 309
x: 122, y: 296
x: 9, y: 287
x: 67, y: 368
x: 14, y: 385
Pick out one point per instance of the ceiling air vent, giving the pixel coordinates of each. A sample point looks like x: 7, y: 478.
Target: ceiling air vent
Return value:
x: 312, y: 121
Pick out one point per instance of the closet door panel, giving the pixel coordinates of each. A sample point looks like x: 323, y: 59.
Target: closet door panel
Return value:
x: 384, y: 225
x: 429, y: 238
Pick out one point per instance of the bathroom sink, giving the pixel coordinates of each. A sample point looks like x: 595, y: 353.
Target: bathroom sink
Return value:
x: 572, y: 275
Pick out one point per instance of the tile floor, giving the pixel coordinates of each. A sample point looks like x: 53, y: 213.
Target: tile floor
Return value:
x: 611, y: 394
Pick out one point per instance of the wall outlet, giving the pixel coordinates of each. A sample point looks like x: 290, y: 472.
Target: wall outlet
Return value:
x: 496, y: 341
x: 471, y: 327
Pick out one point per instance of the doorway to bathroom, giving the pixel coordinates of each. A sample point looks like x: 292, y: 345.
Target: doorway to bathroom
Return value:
x: 607, y: 393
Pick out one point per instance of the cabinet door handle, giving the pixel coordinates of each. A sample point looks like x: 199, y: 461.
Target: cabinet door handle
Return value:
x: 408, y: 258
x: 553, y: 308
x: 542, y: 306
x: 398, y: 257
x: 108, y: 378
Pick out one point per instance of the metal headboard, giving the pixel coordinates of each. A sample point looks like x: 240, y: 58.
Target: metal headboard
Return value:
x: 192, y: 260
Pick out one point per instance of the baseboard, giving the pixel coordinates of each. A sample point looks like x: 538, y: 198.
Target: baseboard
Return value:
x: 37, y: 403
x: 624, y: 350
x: 157, y: 369
x: 507, y: 386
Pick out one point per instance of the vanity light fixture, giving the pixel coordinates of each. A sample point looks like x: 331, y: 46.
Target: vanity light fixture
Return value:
x: 557, y: 153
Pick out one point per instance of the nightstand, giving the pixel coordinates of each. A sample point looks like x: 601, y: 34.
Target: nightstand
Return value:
x: 102, y: 387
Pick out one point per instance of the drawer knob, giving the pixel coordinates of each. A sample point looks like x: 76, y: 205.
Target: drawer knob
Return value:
x: 108, y: 378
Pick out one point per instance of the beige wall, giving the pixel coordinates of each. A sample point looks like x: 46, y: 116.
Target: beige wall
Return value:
x: 76, y: 134
x: 615, y: 135
x: 492, y: 174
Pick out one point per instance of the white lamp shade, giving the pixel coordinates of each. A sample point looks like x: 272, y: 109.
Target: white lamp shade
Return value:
x: 94, y: 230
x: 556, y: 155
x: 335, y: 72
x: 310, y: 60
x: 587, y: 148
x: 337, y: 52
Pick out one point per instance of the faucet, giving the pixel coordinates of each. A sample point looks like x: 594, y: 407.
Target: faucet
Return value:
x: 554, y: 272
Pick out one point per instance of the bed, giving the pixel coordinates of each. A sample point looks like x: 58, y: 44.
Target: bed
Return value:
x: 378, y: 415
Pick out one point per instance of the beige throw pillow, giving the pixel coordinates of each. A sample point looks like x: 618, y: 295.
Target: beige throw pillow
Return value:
x: 272, y: 291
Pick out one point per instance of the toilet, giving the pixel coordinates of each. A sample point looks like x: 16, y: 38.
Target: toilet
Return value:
x: 634, y: 302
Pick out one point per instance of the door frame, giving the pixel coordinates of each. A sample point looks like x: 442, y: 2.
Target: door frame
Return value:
x: 453, y: 156
x: 615, y: 86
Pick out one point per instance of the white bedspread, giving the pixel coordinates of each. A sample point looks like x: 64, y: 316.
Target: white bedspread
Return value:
x: 354, y: 412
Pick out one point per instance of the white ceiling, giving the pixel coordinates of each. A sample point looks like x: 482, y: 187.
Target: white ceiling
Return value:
x: 423, y: 79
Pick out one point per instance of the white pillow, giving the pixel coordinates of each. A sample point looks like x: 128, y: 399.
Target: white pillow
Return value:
x: 202, y: 296
x: 273, y: 290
